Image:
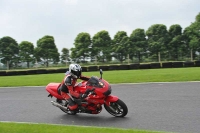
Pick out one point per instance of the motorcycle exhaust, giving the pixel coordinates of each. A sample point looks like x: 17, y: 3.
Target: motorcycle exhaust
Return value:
x: 59, y: 105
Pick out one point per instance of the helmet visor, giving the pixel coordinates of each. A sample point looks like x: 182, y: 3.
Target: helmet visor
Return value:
x: 77, y: 73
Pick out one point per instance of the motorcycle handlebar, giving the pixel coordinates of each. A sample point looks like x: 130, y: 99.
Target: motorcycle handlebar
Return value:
x: 89, y: 90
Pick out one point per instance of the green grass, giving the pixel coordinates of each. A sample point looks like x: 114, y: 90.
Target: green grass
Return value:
x: 45, y: 128
x: 121, y: 76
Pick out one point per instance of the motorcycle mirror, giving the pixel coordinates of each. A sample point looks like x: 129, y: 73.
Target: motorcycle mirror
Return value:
x: 101, y: 72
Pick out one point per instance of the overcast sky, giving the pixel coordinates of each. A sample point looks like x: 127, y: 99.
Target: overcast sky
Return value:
x: 30, y: 20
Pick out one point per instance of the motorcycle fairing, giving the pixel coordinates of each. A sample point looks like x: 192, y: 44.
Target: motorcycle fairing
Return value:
x: 52, y: 88
x: 110, y: 98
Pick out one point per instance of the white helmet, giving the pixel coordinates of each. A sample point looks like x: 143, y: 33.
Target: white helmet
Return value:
x: 75, y: 70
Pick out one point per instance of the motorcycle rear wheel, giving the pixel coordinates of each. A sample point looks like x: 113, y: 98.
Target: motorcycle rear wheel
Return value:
x: 117, y: 109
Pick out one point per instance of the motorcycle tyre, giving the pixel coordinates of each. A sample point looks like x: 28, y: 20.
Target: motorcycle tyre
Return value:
x: 121, y: 104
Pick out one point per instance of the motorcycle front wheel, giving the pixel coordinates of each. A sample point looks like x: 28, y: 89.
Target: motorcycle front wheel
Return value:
x: 117, y: 109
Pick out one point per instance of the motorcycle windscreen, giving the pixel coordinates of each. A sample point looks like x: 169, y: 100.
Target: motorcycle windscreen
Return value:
x: 95, y: 82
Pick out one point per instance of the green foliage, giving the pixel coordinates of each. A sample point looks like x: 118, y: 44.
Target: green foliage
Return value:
x: 65, y: 55
x: 197, y: 18
x: 120, y: 46
x: 82, y: 44
x: 192, y: 36
x: 158, y: 38
x: 101, y: 46
x: 26, y: 50
x: 46, y: 50
x: 139, y: 43
x: 176, y: 44
x: 9, y: 51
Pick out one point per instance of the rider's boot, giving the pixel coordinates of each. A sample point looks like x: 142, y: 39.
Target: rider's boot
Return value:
x: 72, y: 105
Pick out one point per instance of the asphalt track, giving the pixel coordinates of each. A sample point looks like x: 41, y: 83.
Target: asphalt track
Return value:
x: 171, y: 107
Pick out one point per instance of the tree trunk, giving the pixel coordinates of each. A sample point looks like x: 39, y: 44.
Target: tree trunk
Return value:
x: 8, y: 65
x: 191, y: 55
x: 139, y: 57
x: 28, y: 64
x: 47, y: 64
x: 159, y: 57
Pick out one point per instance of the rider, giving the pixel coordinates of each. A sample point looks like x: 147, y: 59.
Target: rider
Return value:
x: 67, y: 86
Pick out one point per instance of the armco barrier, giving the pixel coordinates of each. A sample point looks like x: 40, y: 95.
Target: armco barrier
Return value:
x: 167, y: 65
x: 41, y: 71
x: 84, y: 69
x: 134, y: 66
x: 145, y: 66
x: 22, y: 72
x: 104, y: 68
x: 114, y: 67
x: 11, y: 73
x: 61, y: 70
x: 197, y: 63
x: 31, y: 71
x: 51, y: 71
x: 2, y: 73
x: 92, y: 68
x: 188, y: 64
x: 155, y: 65
x: 123, y: 67
x: 177, y: 64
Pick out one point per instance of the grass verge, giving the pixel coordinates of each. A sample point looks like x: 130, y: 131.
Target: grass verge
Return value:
x: 120, y: 76
x: 45, y: 128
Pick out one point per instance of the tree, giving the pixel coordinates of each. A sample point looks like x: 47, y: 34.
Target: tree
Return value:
x: 82, y: 44
x: 192, y: 36
x: 139, y: 43
x: 101, y: 44
x: 26, y: 50
x: 46, y: 50
x: 9, y: 51
x: 121, y: 44
x: 197, y: 31
x: 65, y: 55
x: 157, y: 39
x: 176, y: 44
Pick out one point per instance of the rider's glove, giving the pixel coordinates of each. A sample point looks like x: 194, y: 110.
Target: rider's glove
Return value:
x: 83, y: 96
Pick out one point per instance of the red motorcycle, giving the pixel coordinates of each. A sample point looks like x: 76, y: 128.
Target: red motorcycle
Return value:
x: 99, y: 94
